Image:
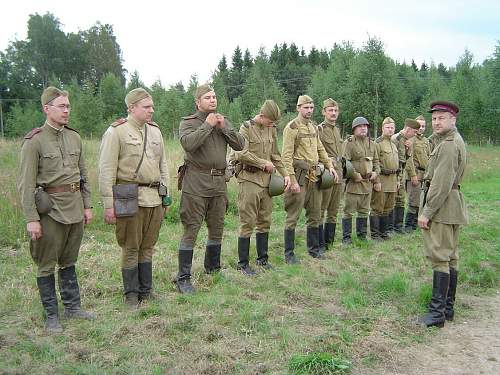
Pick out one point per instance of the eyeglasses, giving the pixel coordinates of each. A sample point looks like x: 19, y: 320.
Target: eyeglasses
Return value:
x: 62, y: 107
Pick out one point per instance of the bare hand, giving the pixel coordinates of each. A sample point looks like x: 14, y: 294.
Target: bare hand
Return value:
x: 87, y: 215
x: 220, y: 121
x: 167, y: 209
x: 423, y: 222
x: 287, y: 183
x: 295, y: 188
x: 377, y: 186
x: 373, y: 176
x: 212, y: 119
x: 335, y: 175
x: 269, y: 167
x: 109, y: 216
x: 34, y: 228
x: 414, y: 181
x: 407, y: 143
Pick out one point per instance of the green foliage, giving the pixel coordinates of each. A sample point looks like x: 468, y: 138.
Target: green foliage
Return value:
x: 318, y: 363
x: 22, y: 118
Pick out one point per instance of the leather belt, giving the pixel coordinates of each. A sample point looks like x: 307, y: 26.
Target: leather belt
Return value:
x: 455, y: 187
x: 387, y: 172
x: 251, y: 168
x: 73, y: 187
x: 421, y: 169
x: 212, y: 171
x: 153, y: 184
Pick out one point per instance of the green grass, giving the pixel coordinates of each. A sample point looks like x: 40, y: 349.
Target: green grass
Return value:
x: 319, y: 317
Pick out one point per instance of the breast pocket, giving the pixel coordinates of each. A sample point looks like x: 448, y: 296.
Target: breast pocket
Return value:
x: 74, y: 157
x: 133, y: 147
x: 50, y: 162
x: 156, y: 149
x: 255, y: 147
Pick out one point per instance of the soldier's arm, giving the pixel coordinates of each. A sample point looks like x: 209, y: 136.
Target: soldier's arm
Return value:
x: 245, y: 156
x: 192, y: 137
x: 27, y: 179
x: 233, y: 138
x: 164, y: 176
x: 410, y: 163
x: 376, y: 161
x: 442, y: 179
x: 276, y: 156
x: 289, y: 135
x: 108, y: 164
x: 84, y: 179
x: 347, y: 155
x: 323, y: 155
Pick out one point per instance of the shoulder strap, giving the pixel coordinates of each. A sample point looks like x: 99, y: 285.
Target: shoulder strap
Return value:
x: 143, y: 151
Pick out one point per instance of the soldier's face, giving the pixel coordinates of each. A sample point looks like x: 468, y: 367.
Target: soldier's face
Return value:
x: 442, y: 122
x: 331, y: 113
x: 388, y: 129
x: 306, y: 110
x: 57, y: 111
x: 361, y: 131
x: 422, y: 127
x: 409, y: 132
x: 208, y: 102
x: 143, y: 110
x: 266, y: 121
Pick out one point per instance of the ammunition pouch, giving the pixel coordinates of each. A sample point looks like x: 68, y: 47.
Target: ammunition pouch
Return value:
x: 301, y: 168
x: 43, y: 202
x: 126, y: 199
x: 181, y: 172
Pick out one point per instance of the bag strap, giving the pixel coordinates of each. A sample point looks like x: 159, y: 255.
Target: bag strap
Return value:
x: 143, y: 150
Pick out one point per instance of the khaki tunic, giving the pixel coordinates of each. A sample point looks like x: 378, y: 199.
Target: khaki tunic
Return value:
x: 406, y: 162
x: 329, y: 135
x: 444, y: 202
x: 254, y: 202
x: 120, y: 153
x: 301, y: 143
x: 382, y: 202
x: 421, y: 152
x: 50, y: 158
x: 204, y: 194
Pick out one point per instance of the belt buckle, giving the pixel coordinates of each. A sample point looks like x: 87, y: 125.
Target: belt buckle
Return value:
x: 73, y: 187
x: 214, y: 172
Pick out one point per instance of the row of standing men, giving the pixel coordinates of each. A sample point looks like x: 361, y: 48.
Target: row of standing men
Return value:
x: 132, y: 153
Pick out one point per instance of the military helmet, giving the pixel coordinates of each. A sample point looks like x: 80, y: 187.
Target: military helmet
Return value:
x: 276, y: 185
x: 359, y: 121
x: 348, y: 169
x: 326, y: 179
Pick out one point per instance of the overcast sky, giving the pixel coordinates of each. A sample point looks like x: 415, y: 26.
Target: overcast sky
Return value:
x: 171, y: 41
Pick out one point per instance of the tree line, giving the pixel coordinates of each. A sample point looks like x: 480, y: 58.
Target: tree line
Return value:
x: 364, y: 81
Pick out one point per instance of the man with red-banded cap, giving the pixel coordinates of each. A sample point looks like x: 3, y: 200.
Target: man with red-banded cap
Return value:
x: 55, y: 198
x: 442, y: 211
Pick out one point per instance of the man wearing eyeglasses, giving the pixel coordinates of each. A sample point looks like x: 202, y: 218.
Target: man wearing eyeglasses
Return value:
x: 56, y: 203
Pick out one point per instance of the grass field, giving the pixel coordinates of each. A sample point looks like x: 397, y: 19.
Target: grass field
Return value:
x: 319, y: 317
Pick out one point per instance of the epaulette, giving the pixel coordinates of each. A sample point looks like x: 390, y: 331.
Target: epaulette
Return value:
x: 379, y: 139
x: 67, y: 127
x: 293, y: 125
x: 32, y: 133
x: 152, y: 123
x: 247, y: 124
x: 190, y: 117
x: 320, y: 127
x: 118, y: 122
x: 350, y: 138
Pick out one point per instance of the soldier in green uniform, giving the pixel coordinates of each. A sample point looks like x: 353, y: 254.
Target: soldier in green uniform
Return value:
x: 53, y: 166
x: 442, y: 211
x: 302, y: 150
x: 362, y: 153
x: 415, y: 173
x: 255, y: 163
x: 402, y: 140
x: 204, y: 136
x: 385, y: 187
x: 132, y: 152
x: 329, y: 135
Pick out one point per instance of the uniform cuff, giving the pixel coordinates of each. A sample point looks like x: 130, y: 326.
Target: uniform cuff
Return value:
x: 108, y: 202
x: 293, y: 180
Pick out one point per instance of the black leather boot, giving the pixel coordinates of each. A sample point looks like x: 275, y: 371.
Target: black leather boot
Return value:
x: 146, y: 281
x: 346, y: 231
x: 262, y: 245
x: 131, y: 286
x: 390, y: 223
x: 383, y: 220
x: 450, y: 298
x: 212, y: 258
x: 435, y: 316
x: 243, y: 253
x: 313, y: 249
x: 321, y: 239
x: 290, y: 257
x: 47, y: 289
x: 410, y: 222
x: 361, y: 223
x: 375, y: 227
x: 329, y: 233
x: 399, y: 213
x: 183, y: 279
x: 70, y: 295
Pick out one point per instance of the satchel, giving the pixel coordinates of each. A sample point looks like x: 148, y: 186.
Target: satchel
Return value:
x: 126, y: 199
x: 43, y: 202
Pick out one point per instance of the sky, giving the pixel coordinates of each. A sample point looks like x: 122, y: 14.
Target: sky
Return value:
x: 171, y: 41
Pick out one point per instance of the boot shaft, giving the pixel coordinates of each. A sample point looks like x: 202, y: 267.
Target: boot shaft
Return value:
x: 69, y: 289
x: 346, y: 230
x: 243, y: 251
x: 47, y: 289
x: 262, y: 245
x: 289, y: 241
x: 361, y: 224
x: 185, y: 260
x: 212, y: 258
